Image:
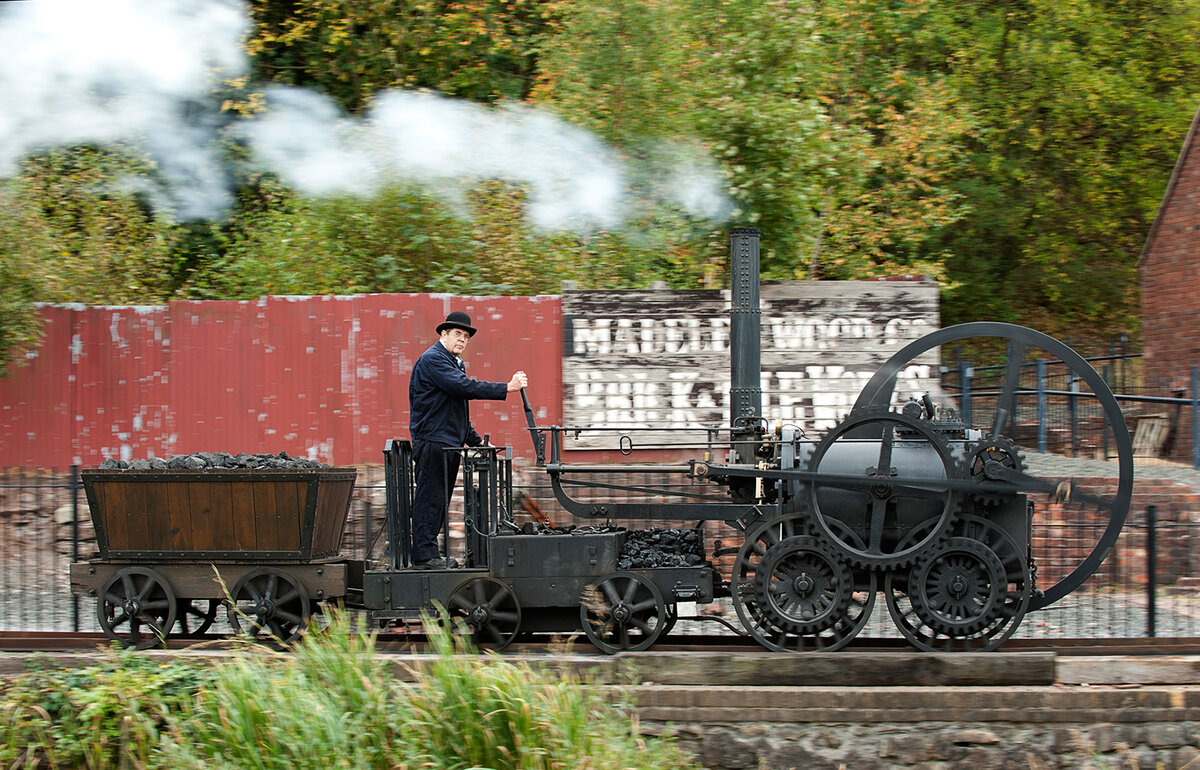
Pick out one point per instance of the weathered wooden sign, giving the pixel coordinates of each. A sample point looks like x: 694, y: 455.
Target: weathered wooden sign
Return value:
x: 650, y: 359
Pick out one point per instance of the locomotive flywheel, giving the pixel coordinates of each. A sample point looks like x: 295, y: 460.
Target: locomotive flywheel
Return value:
x: 873, y: 478
x: 1011, y: 404
x: 794, y: 594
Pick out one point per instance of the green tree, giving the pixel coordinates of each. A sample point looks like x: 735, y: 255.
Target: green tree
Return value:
x: 1079, y: 110
x: 481, y: 50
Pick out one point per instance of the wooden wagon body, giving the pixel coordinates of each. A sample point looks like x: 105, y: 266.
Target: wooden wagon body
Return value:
x: 174, y: 545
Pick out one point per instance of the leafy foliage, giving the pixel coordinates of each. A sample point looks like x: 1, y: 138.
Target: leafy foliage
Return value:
x: 1015, y: 151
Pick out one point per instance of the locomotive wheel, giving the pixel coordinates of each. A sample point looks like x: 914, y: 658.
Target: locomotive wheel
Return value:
x: 195, y: 616
x: 623, y: 611
x: 136, y: 607
x: 270, y: 604
x: 793, y: 594
x: 489, y: 609
x: 881, y: 494
x: 1090, y: 396
x: 969, y: 595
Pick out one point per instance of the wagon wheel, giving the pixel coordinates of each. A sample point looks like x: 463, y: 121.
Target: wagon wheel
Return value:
x: 859, y: 512
x: 623, y: 611
x: 269, y: 604
x: 1010, y: 411
x: 795, y: 594
x: 136, y: 607
x: 195, y: 616
x: 969, y: 595
x: 489, y: 608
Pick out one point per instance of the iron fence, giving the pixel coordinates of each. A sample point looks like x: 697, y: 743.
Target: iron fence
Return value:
x: 1144, y: 588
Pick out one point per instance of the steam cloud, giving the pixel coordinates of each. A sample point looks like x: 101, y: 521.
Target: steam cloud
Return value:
x: 143, y: 74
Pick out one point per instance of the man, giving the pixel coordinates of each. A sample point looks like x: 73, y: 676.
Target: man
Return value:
x: 438, y: 392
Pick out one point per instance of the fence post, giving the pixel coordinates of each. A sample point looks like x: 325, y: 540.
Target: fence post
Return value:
x: 1151, y: 567
x: 964, y: 378
x: 1041, y: 404
x: 74, y: 541
x: 1195, y: 418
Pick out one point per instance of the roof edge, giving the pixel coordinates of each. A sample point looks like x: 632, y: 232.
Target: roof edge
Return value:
x: 1183, y: 153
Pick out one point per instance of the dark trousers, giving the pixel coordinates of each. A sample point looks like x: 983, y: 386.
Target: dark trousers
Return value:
x: 436, y: 472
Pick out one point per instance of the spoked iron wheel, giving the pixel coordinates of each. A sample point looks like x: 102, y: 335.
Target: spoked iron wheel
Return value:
x: 270, y: 605
x: 794, y: 594
x: 623, y: 611
x: 136, y: 607
x: 195, y: 616
x: 969, y: 595
x: 489, y: 609
x: 1010, y: 412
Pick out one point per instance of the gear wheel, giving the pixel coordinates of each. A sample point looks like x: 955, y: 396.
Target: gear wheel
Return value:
x: 865, y: 499
x: 959, y: 589
x: 985, y: 459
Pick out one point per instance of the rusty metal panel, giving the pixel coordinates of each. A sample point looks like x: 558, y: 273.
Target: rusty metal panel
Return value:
x: 35, y: 399
x: 216, y: 375
x: 120, y: 402
x: 318, y: 377
x: 393, y: 330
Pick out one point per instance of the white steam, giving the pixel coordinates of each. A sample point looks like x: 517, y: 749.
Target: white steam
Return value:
x: 121, y: 71
x: 144, y: 73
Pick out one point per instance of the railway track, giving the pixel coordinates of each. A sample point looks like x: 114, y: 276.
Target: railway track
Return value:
x: 390, y: 641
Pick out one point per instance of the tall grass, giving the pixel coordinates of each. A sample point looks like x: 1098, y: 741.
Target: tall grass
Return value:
x: 333, y: 702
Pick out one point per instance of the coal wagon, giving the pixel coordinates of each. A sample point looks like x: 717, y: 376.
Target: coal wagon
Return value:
x: 175, y: 544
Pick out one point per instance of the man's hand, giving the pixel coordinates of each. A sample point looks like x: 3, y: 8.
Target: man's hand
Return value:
x: 518, y: 381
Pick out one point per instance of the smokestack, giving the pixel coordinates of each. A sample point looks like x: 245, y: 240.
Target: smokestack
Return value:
x: 745, y: 326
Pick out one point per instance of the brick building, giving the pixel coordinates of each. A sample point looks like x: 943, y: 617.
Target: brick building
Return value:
x: 1170, y: 281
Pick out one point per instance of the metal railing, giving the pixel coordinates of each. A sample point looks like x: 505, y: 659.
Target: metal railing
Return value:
x: 1143, y: 589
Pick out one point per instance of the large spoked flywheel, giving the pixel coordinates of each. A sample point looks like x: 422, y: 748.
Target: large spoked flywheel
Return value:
x: 1043, y: 413
x: 794, y: 594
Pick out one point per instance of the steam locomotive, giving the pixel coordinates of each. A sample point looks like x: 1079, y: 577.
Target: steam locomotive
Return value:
x: 935, y: 510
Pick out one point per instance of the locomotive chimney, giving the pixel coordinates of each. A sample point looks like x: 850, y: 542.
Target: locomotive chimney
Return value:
x: 745, y: 327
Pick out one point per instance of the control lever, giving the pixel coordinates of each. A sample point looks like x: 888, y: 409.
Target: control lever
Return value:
x: 539, y: 439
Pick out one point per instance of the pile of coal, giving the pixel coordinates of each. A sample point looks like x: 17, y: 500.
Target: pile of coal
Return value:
x: 223, y: 460
x: 658, y: 547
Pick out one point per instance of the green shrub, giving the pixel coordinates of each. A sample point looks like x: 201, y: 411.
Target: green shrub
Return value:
x: 110, y: 714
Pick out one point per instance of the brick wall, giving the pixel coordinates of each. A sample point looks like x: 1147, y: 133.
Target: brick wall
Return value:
x: 1170, y: 277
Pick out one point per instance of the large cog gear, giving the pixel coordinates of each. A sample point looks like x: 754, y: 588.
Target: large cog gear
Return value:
x: 794, y: 594
x: 987, y: 460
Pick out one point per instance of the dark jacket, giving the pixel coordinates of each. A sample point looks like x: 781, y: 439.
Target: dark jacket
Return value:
x: 438, y: 391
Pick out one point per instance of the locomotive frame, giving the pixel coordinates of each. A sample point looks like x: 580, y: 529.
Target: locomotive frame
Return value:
x: 911, y: 503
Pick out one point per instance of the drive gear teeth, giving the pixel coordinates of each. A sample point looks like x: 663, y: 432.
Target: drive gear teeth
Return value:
x: 979, y: 458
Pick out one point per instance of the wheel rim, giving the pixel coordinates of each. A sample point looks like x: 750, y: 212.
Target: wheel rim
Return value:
x: 136, y: 607
x: 793, y: 594
x: 270, y: 605
x: 1020, y: 341
x: 980, y: 547
x: 489, y: 610
x: 623, y: 611
x: 195, y: 616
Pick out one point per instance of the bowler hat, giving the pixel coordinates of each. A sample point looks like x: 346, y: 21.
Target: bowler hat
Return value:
x: 457, y: 320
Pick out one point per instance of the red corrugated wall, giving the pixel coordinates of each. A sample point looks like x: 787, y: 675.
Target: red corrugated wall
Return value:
x: 320, y: 377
